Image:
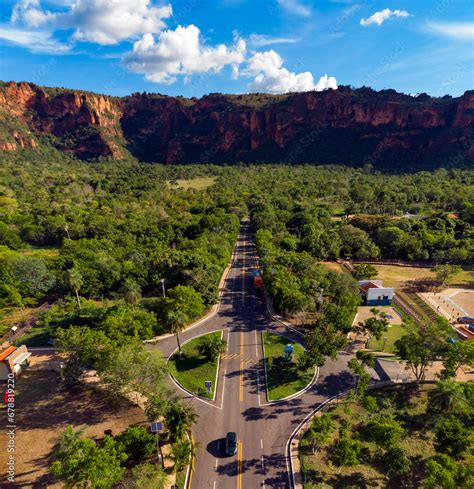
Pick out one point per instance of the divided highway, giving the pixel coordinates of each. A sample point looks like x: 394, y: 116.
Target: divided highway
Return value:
x: 263, y: 428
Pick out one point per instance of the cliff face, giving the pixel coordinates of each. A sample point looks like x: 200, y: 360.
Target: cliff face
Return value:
x: 336, y: 126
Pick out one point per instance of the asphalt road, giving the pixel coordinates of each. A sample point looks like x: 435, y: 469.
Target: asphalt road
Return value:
x: 263, y: 428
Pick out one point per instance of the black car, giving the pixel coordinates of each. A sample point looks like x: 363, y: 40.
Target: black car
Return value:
x: 231, y: 443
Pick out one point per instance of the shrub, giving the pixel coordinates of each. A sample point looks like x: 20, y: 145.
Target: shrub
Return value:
x: 346, y: 452
x: 370, y: 403
x: 451, y: 437
x: 396, y: 461
x: 137, y: 442
x: 441, y: 472
x: 384, y: 430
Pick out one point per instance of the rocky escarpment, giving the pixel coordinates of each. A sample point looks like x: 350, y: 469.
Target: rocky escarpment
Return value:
x: 336, y: 126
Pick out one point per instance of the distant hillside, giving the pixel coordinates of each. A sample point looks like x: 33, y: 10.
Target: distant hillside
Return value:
x: 349, y: 126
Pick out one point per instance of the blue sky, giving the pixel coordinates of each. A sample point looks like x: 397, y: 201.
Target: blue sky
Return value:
x: 194, y: 47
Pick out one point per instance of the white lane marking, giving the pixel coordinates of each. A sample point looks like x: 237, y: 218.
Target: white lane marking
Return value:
x: 256, y: 344
x: 263, y: 465
x: 217, y: 461
x: 263, y: 484
x: 219, y: 445
x: 214, y: 485
x: 223, y: 389
x: 261, y: 443
x: 258, y: 387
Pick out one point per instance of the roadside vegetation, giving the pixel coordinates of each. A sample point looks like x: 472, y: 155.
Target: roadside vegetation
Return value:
x: 400, y: 436
x: 97, y: 257
x: 197, y: 362
x: 284, y: 377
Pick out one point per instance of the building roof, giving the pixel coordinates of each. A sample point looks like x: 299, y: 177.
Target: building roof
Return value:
x: 466, y: 333
x: 369, y: 285
x: 19, y: 357
x: 7, y: 352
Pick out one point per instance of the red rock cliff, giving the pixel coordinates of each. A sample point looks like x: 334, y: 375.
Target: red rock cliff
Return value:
x: 340, y: 126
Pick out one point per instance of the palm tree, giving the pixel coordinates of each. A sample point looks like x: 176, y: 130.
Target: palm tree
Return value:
x: 448, y: 397
x: 179, y: 418
x: 74, y: 282
x: 177, y: 322
x: 131, y: 292
x: 211, y: 346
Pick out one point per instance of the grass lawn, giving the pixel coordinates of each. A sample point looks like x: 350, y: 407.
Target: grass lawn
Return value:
x: 36, y: 336
x: 283, y: 378
x: 394, y: 276
x: 191, y: 369
x: 409, y: 406
x: 393, y: 334
x: 199, y: 183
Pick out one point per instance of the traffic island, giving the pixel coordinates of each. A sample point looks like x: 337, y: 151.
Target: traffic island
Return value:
x: 283, y: 377
x: 196, y: 364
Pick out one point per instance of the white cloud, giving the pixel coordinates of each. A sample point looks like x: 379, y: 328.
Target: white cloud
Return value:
x: 259, y: 40
x: 271, y: 76
x: 380, y: 17
x: 454, y: 30
x: 100, y: 21
x: 295, y: 7
x: 36, y: 41
x: 180, y: 52
x: 29, y: 12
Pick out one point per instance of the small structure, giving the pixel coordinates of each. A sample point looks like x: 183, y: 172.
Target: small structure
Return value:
x: 375, y: 294
x: 257, y: 279
x: 288, y: 352
x: 12, y: 360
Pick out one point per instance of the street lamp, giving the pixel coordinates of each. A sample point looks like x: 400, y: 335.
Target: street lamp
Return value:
x: 157, y: 427
x: 162, y: 281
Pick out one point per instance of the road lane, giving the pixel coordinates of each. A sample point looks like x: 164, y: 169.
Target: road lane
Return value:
x: 263, y: 429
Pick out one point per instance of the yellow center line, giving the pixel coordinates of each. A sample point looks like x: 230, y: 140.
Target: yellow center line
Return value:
x: 243, y: 270
x: 241, y: 393
x: 239, y: 465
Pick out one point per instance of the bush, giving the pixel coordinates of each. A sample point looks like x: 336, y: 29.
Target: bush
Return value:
x: 384, y: 430
x: 441, y: 472
x: 137, y: 442
x: 370, y: 403
x: 346, y: 452
x: 451, y: 437
x: 396, y: 462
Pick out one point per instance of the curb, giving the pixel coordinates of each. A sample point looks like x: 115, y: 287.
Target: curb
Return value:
x: 292, y: 396
x: 178, y: 384
x: 214, y: 309
x: 292, y: 452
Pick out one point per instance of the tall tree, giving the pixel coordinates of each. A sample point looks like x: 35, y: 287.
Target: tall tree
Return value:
x: 422, y: 345
x: 183, y: 305
x: 74, y: 282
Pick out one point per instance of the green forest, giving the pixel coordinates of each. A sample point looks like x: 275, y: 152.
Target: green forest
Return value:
x: 96, y: 240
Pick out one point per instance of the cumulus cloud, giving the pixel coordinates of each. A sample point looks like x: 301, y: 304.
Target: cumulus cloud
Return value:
x: 180, y: 52
x: 454, y: 30
x: 294, y: 7
x: 271, y: 76
x: 380, y: 17
x: 29, y: 12
x: 100, y: 21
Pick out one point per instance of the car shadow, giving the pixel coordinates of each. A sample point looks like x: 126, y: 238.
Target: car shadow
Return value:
x: 217, y: 448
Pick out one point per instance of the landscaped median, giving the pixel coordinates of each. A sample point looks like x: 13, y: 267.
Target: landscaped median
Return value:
x: 198, y: 362
x: 283, y: 377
